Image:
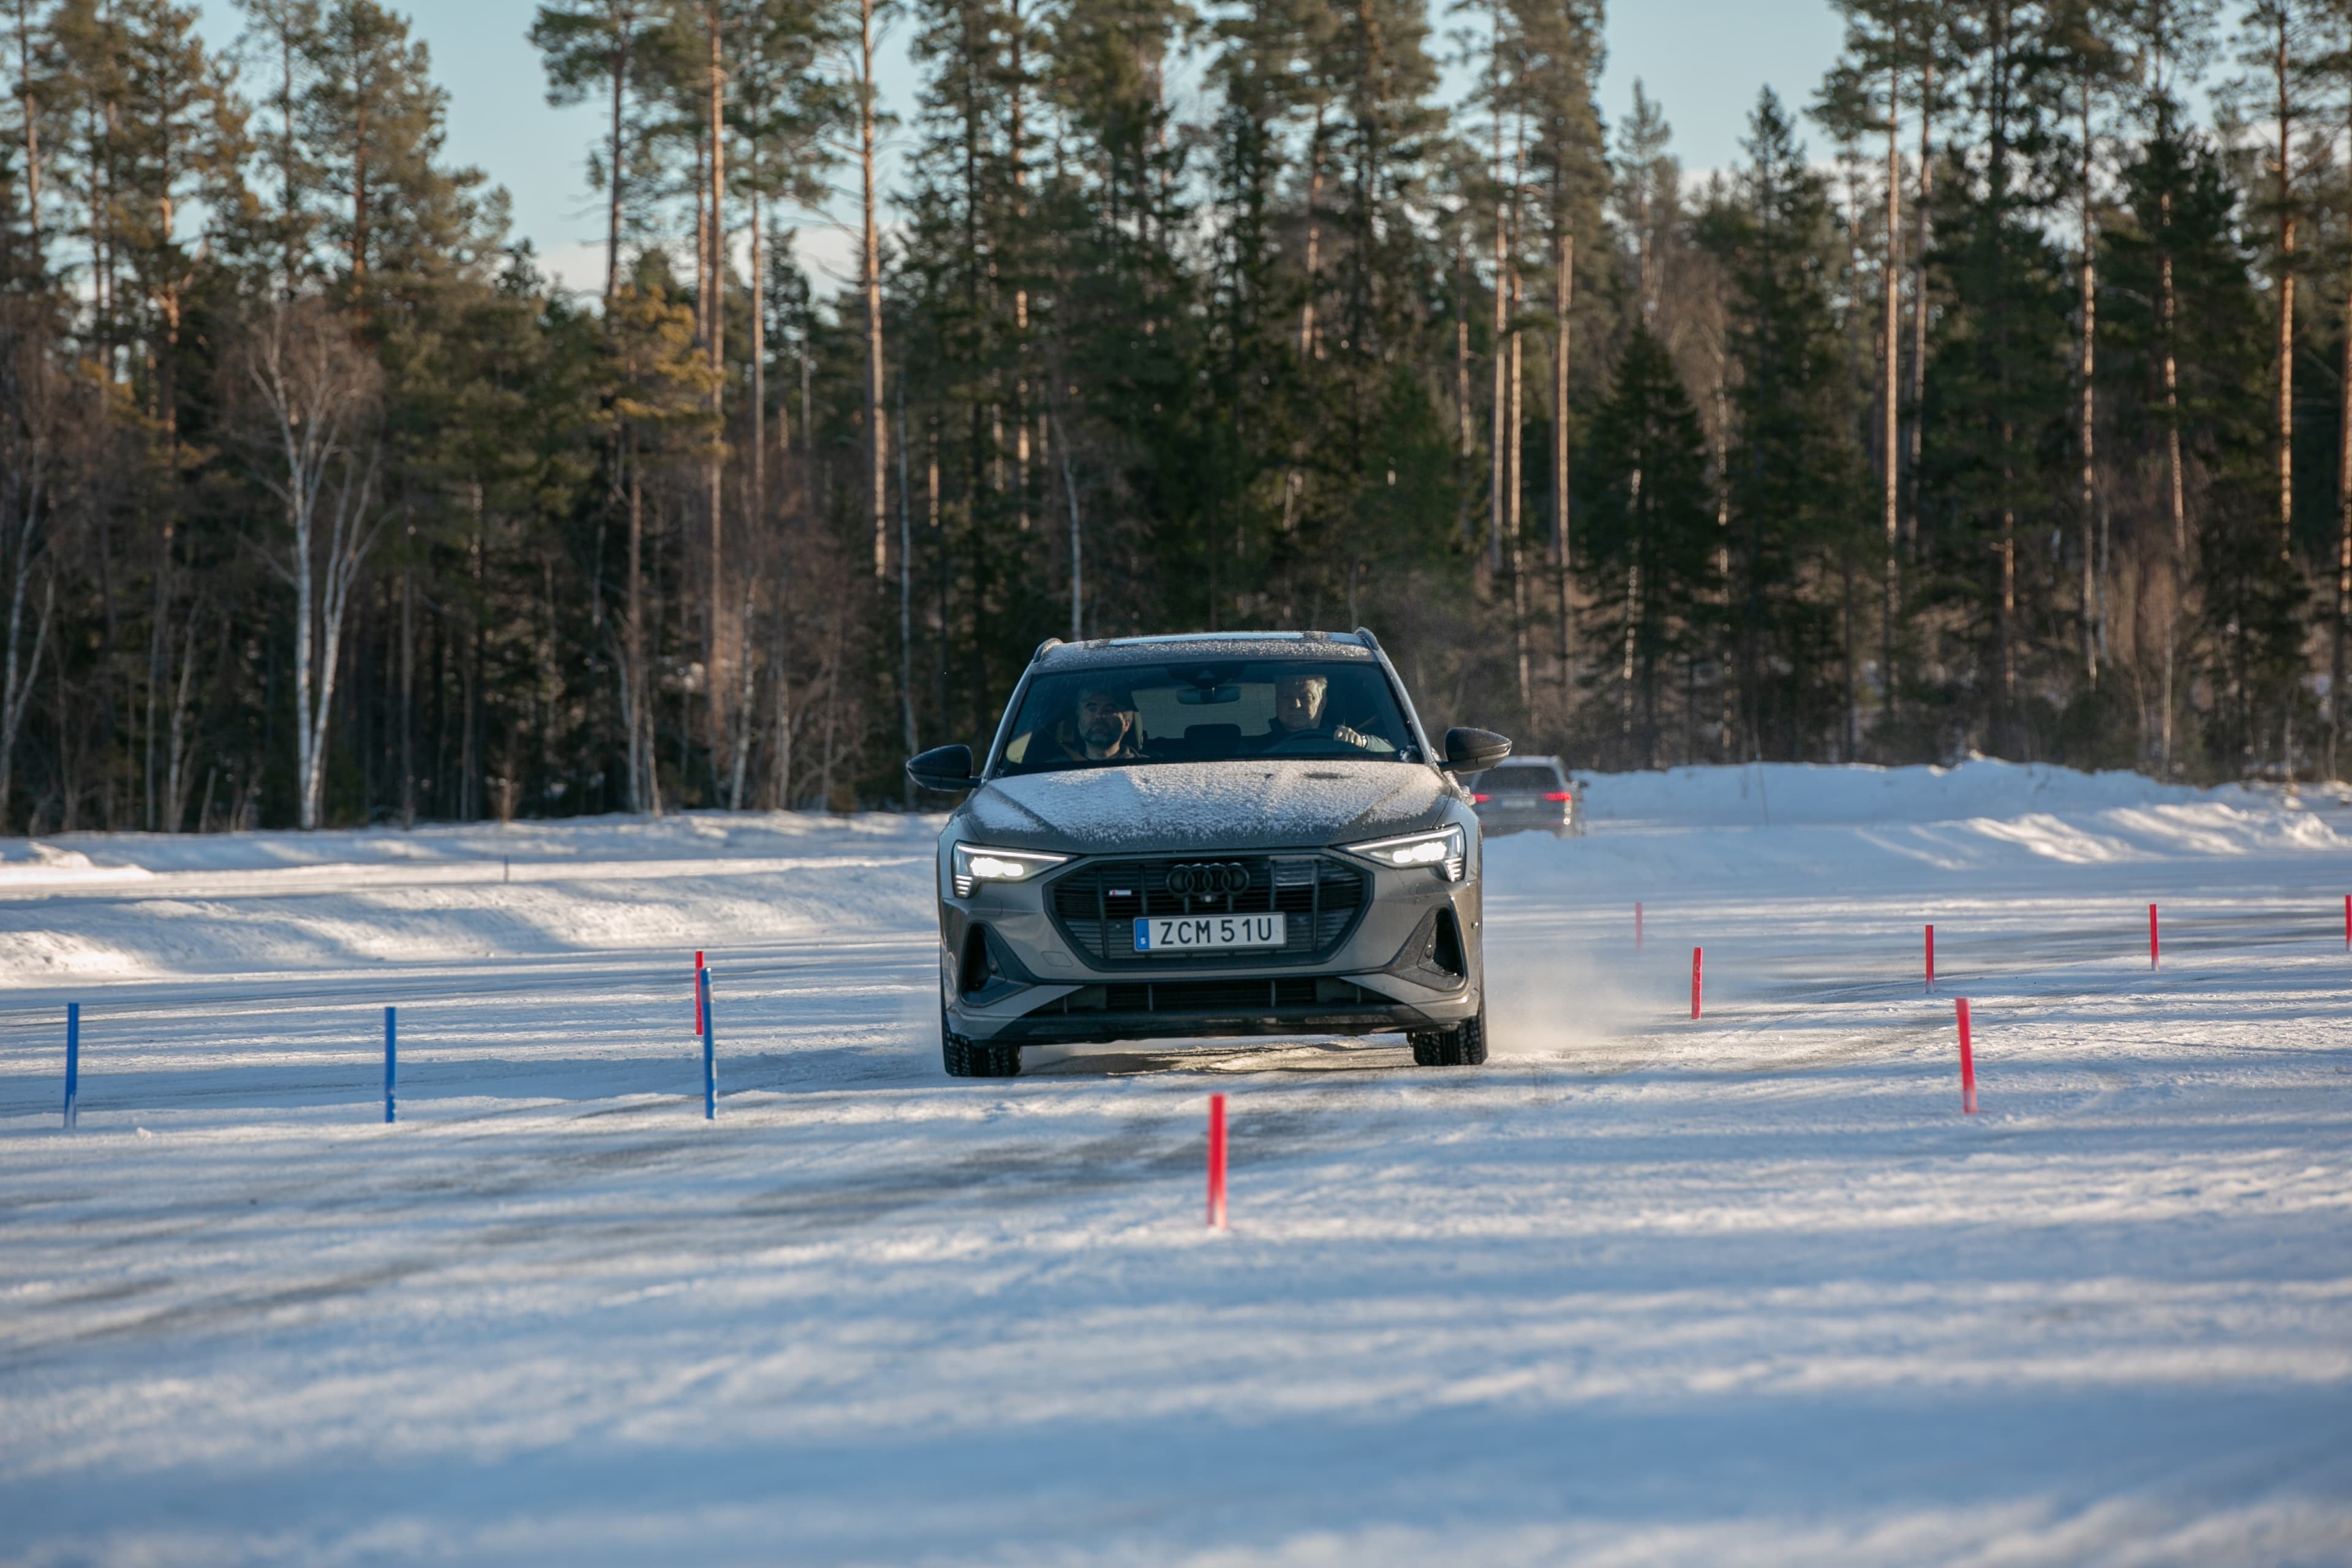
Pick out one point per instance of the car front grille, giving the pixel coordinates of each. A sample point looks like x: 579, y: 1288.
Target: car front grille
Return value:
x: 1097, y: 904
x: 1210, y: 998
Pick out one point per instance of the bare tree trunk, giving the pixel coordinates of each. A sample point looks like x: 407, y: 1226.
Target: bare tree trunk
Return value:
x: 636, y: 690
x: 614, y: 153
x: 2092, y: 631
x: 2166, y: 306
x: 408, y: 696
x: 877, y: 440
x: 717, y: 640
x: 179, y: 744
x: 1891, y: 330
x: 2284, y: 66
x: 1464, y: 418
x: 906, y: 597
x: 1294, y: 480
x: 2335, y: 670
x: 759, y: 368
x: 1500, y: 458
x: 1077, y: 537
x: 1919, y: 295
x: 748, y: 690
x: 2008, y: 629
x: 16, y: 688
x: 1519, y: 562
x: 30, y: 104
x: 1563, y: 294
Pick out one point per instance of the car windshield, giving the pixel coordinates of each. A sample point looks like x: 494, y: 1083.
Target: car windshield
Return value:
x: 1213, y: 711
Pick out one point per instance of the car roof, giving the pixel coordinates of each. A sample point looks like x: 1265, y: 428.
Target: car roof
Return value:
x: 1179, y: 647
x: 1552, y: 762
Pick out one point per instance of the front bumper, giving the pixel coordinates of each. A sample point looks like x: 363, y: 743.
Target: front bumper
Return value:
x: 1036, y: 962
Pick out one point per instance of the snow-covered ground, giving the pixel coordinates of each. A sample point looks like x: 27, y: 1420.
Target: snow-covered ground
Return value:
x: 1748, y: 1291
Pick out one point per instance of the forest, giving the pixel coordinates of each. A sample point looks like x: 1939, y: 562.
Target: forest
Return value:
x: 1998, y: 401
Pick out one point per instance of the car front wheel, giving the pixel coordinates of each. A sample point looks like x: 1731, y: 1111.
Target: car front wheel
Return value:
x: 1463, y: 1046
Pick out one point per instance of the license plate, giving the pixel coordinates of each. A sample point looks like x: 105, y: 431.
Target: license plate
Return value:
x: 1208, y: 934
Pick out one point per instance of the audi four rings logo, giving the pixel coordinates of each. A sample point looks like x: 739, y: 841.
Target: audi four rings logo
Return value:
x: 1208, y: 881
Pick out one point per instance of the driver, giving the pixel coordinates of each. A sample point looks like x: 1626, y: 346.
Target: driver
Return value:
x: 1301, y: 707
x: 1101, y: 728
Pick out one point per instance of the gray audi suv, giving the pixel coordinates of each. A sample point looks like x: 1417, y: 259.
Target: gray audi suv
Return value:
x: 1229, y: 834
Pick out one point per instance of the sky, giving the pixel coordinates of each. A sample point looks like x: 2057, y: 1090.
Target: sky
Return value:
x: 1703, y: 60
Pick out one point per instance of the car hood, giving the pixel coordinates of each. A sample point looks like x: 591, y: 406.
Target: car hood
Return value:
x: 1184, y: 806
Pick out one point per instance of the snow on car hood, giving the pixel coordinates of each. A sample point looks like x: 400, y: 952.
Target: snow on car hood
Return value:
x: 1179, y: 806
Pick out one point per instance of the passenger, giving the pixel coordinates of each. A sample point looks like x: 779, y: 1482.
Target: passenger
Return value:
x: 1101, y: 728
x: 1301, y: 703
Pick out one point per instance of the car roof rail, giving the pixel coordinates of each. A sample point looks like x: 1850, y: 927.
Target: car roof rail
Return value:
x: 1370, y: 640
x: 1048, y: 646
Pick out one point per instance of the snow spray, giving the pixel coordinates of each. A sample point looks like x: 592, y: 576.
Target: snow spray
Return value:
x: 709, y: 1047
x: 1967, y: 1064
x: 1695, y: 975
x: 698, y: 991
x: 390, y: 1064
x: 1216, y: 1162
x: 1931, y: 958
x: 2151, y: 936
x: 1637, y: 923
x: 73, y: 1065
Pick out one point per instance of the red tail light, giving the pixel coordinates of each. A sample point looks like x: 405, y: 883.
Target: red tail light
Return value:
x: 1559, y: 794
x: 1477, y: 799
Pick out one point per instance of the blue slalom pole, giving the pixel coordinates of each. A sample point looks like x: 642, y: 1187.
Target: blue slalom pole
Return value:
x: 390, y: 1062
x: 73, y: 1065
x: 710, y: 1053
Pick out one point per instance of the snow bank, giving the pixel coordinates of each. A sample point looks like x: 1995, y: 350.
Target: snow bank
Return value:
x: 81, y: 857
x: 1784, y: 794
x: 136, y: 907
x: 1986, y: 825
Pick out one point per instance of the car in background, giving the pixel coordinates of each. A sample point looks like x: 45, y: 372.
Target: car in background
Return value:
x: 1224, y: 834
x: 1527, y: 794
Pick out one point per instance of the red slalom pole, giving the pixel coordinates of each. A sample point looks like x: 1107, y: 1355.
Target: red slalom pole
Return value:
x: 2151, y: 936
x: 1967, y: 1064
x: 1695, y: 978
x: 2347, y: 922
x: 1931, y: 958
x: 1637, y: 924
x: 1216, y: 1162
x: 697, y: 994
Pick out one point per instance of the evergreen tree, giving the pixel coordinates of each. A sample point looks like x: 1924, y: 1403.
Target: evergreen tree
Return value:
x: 1793, y: 479
x: 597, y: 48
x: 1649, y: 559
x: 1995, y: 391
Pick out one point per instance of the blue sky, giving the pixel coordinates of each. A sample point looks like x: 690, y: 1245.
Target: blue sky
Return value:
x: 1704, y: 60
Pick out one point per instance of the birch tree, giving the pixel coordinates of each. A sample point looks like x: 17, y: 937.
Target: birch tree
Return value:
x: 318, y: 391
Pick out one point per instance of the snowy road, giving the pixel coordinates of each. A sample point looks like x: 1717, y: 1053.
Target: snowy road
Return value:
x: 1641, y: 1290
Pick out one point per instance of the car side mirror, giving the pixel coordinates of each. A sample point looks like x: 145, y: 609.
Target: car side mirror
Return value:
x: 947, y: 769
x: 1474, y: 751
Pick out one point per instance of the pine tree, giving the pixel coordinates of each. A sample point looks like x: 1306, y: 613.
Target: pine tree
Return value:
x: 391, y: 215
x: 1793, y: 479
x: 1996, y: 386
x: 1649, y: 558
x: 598, y: 46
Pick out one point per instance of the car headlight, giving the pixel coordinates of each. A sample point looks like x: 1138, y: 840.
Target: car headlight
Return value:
x: 1440, y: 850
x: 975, y: 864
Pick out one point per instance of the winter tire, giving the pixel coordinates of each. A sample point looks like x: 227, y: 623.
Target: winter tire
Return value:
x: 1463, y: 1046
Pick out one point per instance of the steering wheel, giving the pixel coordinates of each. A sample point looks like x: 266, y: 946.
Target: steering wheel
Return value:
x: 1296, y: 738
